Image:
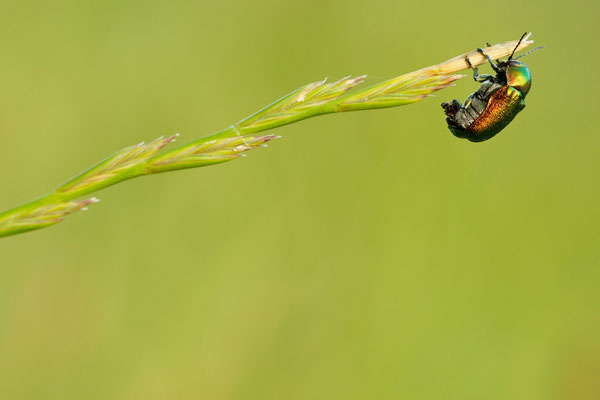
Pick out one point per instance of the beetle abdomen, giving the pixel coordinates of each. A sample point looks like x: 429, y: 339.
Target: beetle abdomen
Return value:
x: 502, y: 107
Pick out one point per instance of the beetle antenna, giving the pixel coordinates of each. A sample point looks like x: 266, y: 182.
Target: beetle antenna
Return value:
x: 517, y: 46
x: 529, y: 52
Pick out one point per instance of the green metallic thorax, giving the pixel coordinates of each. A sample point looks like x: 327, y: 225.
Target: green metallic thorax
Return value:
x: 518, y: 76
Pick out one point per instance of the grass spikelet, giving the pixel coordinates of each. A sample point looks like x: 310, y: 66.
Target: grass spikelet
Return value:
x: 210, y: 152
x: 39, y: 217
x: 115, y: 167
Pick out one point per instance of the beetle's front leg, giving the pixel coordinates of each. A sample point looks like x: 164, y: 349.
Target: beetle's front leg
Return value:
x: 483, y: 53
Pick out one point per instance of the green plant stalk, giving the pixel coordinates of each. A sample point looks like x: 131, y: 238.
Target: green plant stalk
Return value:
x: 317, y: 98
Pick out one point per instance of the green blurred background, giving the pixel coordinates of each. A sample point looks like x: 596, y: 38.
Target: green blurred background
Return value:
x: 367, y: 255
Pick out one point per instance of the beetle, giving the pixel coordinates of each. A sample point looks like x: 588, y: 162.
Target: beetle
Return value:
x: 495, y: 104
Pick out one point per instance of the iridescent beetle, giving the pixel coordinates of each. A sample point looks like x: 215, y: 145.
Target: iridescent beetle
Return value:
x: 495, y: 104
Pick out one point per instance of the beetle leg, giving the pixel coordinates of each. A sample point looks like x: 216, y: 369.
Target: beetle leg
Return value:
x: 468, y: 101
x: 476, y: 76
x: 475, y: 70
x: 482, y: 77
x: 483, y: 53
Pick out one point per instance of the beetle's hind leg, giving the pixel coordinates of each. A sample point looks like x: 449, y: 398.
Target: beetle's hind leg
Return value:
x: 476, y: 76
x: 469, y: 100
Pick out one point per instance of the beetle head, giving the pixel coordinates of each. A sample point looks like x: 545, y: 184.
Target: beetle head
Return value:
x: 515, y: 73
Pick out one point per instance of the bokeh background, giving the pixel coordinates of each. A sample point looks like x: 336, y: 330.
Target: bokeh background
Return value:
x: 367, y: 255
